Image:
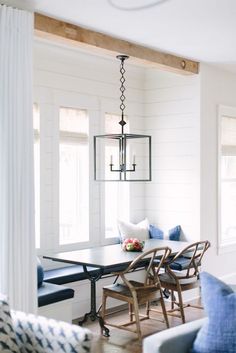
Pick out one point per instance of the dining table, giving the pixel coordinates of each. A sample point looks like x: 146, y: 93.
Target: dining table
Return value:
x: 105, y: 260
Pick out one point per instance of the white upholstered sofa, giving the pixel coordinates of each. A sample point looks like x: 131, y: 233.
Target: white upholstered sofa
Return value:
x: 177, y: 339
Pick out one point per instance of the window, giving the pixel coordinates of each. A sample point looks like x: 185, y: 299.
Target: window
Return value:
x: 36, y: 126
x: 227, y: 177
x: 116, y: 193
x: 73, y: 177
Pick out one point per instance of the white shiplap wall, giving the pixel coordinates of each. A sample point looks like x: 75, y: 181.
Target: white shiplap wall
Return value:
x: 172, y: 106
x: 158, y: 103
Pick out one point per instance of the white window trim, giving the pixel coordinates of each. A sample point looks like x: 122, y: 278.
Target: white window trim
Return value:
x: 61, y: 99
x: 223, y: 247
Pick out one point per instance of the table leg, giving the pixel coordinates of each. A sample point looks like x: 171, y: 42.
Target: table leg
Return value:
x: 93, y: 313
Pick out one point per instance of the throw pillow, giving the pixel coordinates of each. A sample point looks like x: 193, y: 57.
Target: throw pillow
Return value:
x: 218, y: 334
x: 130, y: 230
x: 8, y: 343
x: 157, y: 233
x: 37, y: 334
x: 40, y: 273
x: 174, y: 233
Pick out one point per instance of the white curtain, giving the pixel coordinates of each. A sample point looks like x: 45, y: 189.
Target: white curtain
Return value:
x: 17, y: 249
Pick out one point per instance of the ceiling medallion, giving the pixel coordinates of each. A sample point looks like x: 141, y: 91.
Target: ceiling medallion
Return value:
x: 135, y: 5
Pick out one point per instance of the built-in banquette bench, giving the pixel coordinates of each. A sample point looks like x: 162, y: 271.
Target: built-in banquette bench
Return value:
x: 75, y: 273
x: 55, y: 299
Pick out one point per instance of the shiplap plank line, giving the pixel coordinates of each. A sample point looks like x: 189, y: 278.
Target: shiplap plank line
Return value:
x: 172, y: 118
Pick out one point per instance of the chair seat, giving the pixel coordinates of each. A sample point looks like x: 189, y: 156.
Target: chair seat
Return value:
x: 122, y: 290
x: 180, y: 264
x: 166, y: 278
x: 50, y: 293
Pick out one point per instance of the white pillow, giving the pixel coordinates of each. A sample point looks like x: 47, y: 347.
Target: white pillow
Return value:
x: 130, y: 230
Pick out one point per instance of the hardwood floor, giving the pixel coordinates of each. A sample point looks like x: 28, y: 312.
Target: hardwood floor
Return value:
x: 126, y: 342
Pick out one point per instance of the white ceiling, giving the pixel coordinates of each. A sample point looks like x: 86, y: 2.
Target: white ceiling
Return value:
x: 203, y: 30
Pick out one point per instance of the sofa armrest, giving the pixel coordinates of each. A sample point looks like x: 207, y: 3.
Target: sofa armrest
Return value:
x: 41, y: 335
x: 175, y: 340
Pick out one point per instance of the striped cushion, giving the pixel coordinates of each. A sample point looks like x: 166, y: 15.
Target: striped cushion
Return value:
x: 8, y: 343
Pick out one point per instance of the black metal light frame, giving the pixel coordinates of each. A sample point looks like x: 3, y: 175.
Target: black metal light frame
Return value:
x: 122, y: 140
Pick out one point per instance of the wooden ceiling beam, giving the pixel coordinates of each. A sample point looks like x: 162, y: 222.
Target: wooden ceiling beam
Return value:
x: 51, y: 28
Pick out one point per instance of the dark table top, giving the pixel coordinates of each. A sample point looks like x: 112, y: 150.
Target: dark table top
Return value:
x: 112, y: 255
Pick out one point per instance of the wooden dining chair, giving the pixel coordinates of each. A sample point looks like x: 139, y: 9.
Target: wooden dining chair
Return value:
x: 136, y: 293
x: 181, y: 274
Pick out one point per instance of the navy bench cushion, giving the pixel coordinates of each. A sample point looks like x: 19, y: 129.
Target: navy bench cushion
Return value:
x: 50, y: 293
x: 75, y: 273
x: 66, y: 274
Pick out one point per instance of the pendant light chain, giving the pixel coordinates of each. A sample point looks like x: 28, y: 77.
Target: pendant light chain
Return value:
x: 122, y: 58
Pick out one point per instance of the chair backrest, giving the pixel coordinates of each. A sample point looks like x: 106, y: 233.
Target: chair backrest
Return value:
x: 193, y: 254
x: 149, y: 258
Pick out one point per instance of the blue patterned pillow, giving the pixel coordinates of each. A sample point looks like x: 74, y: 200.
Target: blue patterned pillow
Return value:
x: 37, y: 334
x: 8, y: 343
x: 218, y: 335
x: 157, y: 233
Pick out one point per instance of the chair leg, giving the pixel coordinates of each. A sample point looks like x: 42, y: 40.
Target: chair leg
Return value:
x: 103, y: 313
x: 147, y: 309
x: 131, y: 314
x: 136, y: 314
x: 172, y: 300
x: 164, y: 311
x: 181, y: 304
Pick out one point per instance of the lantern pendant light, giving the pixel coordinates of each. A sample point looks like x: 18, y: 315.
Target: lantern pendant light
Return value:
x: 124, y: 156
